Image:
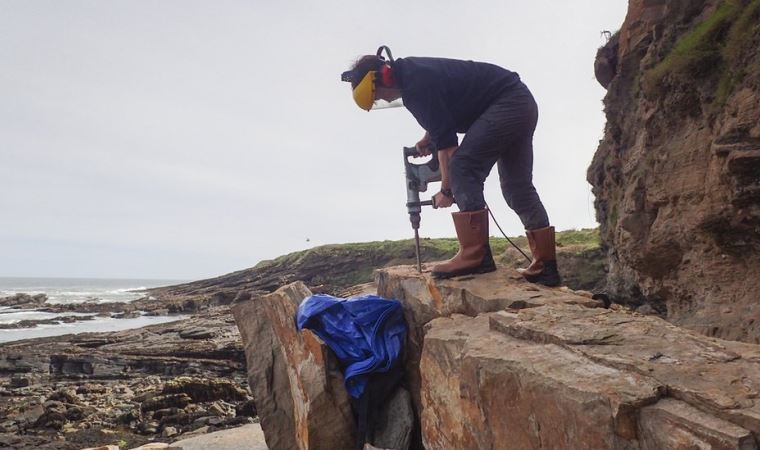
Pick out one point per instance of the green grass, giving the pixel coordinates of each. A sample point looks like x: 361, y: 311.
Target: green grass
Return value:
x: 697, y: 53
x: 712, y: 50
x: 345, y: 265
x: 739, y: 39
x: 588, y: 238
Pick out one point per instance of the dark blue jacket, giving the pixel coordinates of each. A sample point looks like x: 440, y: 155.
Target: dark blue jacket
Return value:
x: 447, y: 95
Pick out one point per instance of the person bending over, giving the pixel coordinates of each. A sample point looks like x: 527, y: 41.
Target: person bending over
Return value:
x: 497, y: 114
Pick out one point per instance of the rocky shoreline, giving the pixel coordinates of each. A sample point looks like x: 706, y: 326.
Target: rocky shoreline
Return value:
x: 161, y: 382
x: 89, y: 310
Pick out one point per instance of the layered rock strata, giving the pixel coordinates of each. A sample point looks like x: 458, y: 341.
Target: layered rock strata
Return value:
x: 425, y: 299
x: 162, y: 381
x: 294, y: 377
x: 495, y: 362
x: 677, y: 175
x: 551, y: 369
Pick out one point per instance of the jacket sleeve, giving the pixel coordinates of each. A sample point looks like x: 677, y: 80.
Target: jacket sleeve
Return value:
x: 425, y: 102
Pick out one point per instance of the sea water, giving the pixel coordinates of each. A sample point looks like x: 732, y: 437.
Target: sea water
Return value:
x: 75, y: 290
x: 78, y: 290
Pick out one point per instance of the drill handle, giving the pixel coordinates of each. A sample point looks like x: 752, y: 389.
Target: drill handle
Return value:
x: 422, y: 203
x: 412, y: 151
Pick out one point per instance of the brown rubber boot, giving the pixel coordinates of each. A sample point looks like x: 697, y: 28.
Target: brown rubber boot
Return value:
x: 474, y: 254
x: 543, y: 268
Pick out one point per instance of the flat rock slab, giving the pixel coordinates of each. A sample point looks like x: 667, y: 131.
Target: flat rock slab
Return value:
x: 248, y: 437
x: 487, y: 383
x: 720, y: 377
x: 675, y: 424
x: 425, y: 298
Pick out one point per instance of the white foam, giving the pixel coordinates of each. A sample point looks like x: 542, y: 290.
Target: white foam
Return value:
x: 96, y: 325
x: 27, y: 314
x: 128, y: 290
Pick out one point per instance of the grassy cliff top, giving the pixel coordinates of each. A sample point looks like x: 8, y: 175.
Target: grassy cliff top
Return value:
x: 330, y: 268
x: 576, y: 240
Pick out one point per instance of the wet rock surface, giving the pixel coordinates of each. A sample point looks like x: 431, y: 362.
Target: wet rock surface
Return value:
x: 23, y: 300
x: 130, y: 387
x: 79, y: 311
x: 35, y: 322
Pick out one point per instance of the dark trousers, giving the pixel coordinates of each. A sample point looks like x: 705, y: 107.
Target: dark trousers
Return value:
x: 503, y: 134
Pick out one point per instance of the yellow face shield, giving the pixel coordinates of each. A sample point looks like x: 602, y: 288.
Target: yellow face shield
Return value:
x: 364, y: 92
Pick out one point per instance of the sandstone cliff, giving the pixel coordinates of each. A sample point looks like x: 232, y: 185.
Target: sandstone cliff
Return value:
x: 677, y: 175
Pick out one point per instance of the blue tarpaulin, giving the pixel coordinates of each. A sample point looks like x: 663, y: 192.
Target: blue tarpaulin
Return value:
x: 366, y: 333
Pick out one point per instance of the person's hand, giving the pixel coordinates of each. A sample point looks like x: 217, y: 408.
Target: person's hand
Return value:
x: 423, y: 148
x: 441, y: 200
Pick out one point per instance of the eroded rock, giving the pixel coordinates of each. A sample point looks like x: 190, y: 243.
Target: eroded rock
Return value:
x: 675, y: 177
x: 72, y: 391
x: 26, y: 300
x: 675, y: 424
x: 204, y: 389
x: 294, y: 377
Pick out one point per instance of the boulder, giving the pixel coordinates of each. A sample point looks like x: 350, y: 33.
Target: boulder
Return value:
x: 247, y: 437
x: 675, y: 424
x: 205, y: 389
x: 75, y: 366
x: 19, y: 382
x: 166, y: 401
x: 25, y: 300
x: 295, y: 379
x: 482, y: 389
x: 425, y: 299
x: 152, y: 446
x: 395, y: 423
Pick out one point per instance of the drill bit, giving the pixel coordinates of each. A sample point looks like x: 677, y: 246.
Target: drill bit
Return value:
x: 417, y: 249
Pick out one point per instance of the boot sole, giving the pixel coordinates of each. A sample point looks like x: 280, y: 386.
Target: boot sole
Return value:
x: 549, y: 277
x: 459, y: 273
x: 544, y: 280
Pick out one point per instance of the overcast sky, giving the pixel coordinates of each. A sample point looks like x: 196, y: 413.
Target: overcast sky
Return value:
x: 186, y: 139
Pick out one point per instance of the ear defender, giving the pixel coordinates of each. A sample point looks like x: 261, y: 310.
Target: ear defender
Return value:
x: 386, y: 68
x: 386, y: 76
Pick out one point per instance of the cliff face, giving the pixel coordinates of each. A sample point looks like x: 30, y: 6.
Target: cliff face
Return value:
x: 677, y: 175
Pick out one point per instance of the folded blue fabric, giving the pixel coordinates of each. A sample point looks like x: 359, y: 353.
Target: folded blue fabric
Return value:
x: 366, y: 333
